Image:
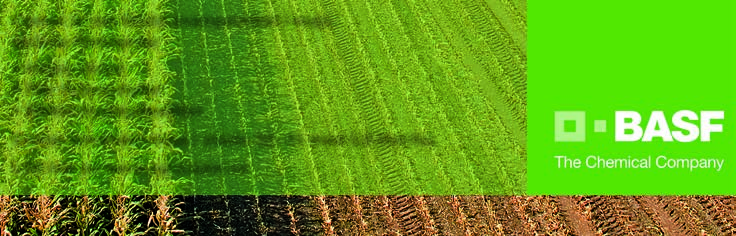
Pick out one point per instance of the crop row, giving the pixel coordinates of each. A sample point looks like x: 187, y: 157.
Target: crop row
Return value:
x: 647, y: 215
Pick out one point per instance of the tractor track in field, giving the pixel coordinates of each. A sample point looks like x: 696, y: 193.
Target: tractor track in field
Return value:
x: 657, y: 209
x: 615, y: 215
x: 365, y: 96
x: 508, y: 219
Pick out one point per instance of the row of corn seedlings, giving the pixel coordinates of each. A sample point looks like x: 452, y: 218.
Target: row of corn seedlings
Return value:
x: 399, y: 112
x: 8, y: 77
x: 8, y: 10
x: 92, y: 154
x: 129, y: 59
x: 46, y: 212
x: 128, y: 56
x: 408, y: 110
x: 159, y: 96
x: 23, y: 143
x: 93, y: 157
x: 160, y: 91
x: 87, y: 215
x: 54, y: 147
x: 14, y: 141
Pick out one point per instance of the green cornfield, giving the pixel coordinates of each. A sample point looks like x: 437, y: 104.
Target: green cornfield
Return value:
x: 262, y: 97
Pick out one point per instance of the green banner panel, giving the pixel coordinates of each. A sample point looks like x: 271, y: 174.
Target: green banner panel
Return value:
x: 632, y: 97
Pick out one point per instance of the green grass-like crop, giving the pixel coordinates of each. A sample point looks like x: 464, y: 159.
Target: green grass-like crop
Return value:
x: 262, y: 97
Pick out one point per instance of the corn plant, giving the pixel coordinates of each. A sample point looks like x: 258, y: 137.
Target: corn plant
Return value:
x: 87, y: 217
x: 20, y: 144
x: 8, y: 32
x: 164, y: 219
x: 159, y: 96
x: 45, y: 214
x: 7, y: 207
x: 123, y: 213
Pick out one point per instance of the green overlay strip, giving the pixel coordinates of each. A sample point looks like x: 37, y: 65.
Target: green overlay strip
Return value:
x: 263, y: 97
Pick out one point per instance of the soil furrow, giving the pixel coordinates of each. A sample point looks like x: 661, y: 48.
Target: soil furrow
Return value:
x: 345, y: 216
x: 441, y: 210
x: 683, y: 214
x: 728, y: 213
x: 578, y: 222
x: 407, y: 215
x: 655, y: 207
x: 508, y: 221
x: 545, y: 212
x: 639, y: 215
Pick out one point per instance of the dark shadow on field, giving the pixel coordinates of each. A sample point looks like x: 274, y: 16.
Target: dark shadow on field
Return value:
x: 266, y: 140
x: 180, y: 109
x: 250, y: 21
x: 110, y: 41
x: 365, y: 139
x: 191, y: 21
